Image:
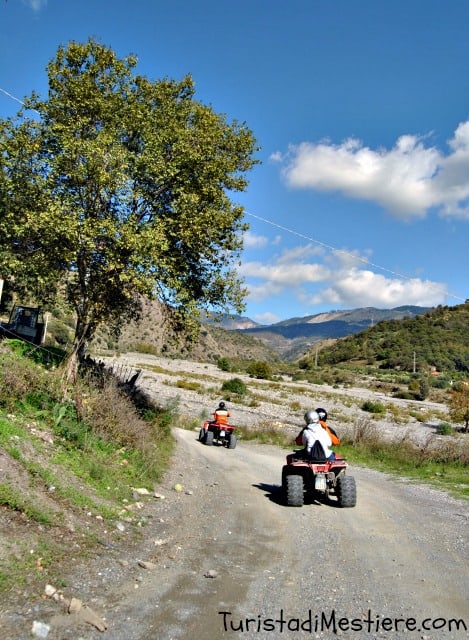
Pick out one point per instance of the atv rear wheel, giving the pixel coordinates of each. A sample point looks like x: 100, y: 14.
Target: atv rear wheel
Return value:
x: 201, y: 435
x: 346, y: 491
x: 294, y: 490
x: 209, y: 438
x: 232, y: 440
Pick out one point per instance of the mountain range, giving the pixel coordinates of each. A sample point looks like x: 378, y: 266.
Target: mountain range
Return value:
x: 291, y: 338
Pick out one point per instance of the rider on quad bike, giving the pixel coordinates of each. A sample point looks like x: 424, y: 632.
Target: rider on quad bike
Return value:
x: 322, y: 413
x: 218, y: 429
x: 315, y: 438
x: 316, y: 470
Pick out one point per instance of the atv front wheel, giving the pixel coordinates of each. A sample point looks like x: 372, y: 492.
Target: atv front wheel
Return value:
x: 295, y: 490
x: 346, y: 491
x: 201, y: 435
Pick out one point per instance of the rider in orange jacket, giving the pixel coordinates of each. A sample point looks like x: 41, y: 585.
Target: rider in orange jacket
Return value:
x: 322, y: 413
x: 221, y: 415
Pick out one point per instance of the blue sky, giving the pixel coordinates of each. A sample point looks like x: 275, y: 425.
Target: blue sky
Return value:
x: 361, y: 110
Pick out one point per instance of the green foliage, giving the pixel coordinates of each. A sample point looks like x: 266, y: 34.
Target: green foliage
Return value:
x: 424, y: 387
x: 144, y: 347
x: 46, y: 356
x: 260, y: 369
x: 98, y: 453
x: 191, y: 385
x: 224, y: 364
x: 26, y: 384
x: 439, y: 339
x: 235, y: 385
x: 445, y: 429
x: 459, y: 404
x: 373, y: 407
x: 120, y: 188
x: 99, y: 419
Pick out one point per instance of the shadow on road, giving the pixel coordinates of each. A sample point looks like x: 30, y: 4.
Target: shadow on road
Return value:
x: 272, y: 491
x: 275, y: 494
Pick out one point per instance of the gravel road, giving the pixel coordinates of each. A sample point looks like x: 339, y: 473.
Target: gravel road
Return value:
x: 229, y: 560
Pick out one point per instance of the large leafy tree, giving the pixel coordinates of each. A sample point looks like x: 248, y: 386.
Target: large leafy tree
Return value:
x: 117, y: 187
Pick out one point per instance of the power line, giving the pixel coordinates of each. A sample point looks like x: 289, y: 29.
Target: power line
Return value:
x: 347, y: 253
x: 17, y: 99
x: 10, y: 96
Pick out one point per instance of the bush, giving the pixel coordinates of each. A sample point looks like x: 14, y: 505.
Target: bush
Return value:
x: 445, y: 429
x: 235, y: 385
x: 373, y: 407
x: 224, y: 364
x: 189, y: 385
x: 260, y: 369
x: 22, y: 382
x: 145, y: 347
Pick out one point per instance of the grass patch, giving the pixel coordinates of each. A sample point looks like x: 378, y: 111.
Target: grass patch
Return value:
x: 16, y: 500
x: 444, y: 465
x: 266, y: 433
x: 189, y: 385
x: 373, y: 407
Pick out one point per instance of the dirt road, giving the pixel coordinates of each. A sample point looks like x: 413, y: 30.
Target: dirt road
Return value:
x: 231, y: 561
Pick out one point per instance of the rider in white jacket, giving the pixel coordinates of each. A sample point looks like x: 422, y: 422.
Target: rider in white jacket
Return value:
x: 314, y: 432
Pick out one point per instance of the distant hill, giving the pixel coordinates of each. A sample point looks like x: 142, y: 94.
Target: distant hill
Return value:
x: 293, y: 337
x: 153, y: 335
x: 438, y: 339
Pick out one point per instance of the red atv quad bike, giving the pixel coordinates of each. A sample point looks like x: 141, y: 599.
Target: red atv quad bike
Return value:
x: 319, y: 479
x: 221, y: 434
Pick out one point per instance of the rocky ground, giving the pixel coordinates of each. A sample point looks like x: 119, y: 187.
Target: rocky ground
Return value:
x: 274, y: 401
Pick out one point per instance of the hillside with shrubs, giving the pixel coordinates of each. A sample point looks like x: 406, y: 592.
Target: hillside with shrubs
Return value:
x: 437, y: 341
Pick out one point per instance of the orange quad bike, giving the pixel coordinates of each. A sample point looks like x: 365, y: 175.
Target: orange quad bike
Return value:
x: 221, y: 434
x: 304, y: 477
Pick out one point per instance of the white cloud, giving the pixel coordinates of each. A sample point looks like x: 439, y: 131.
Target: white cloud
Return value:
x: 343, y: 280
x: 266, y: 318
x: 362, y: 288
x: 406, y: 180
x: 35, y: 5
x: 284, y: 274
x: 253, y: 241
x: 276, y: 156
x: 300, y: 254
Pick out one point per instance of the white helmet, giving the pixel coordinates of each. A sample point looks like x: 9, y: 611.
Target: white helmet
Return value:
x: 311, y: 416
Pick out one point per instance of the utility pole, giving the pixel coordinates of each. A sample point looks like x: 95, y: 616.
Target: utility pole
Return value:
x: 414, y: 363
